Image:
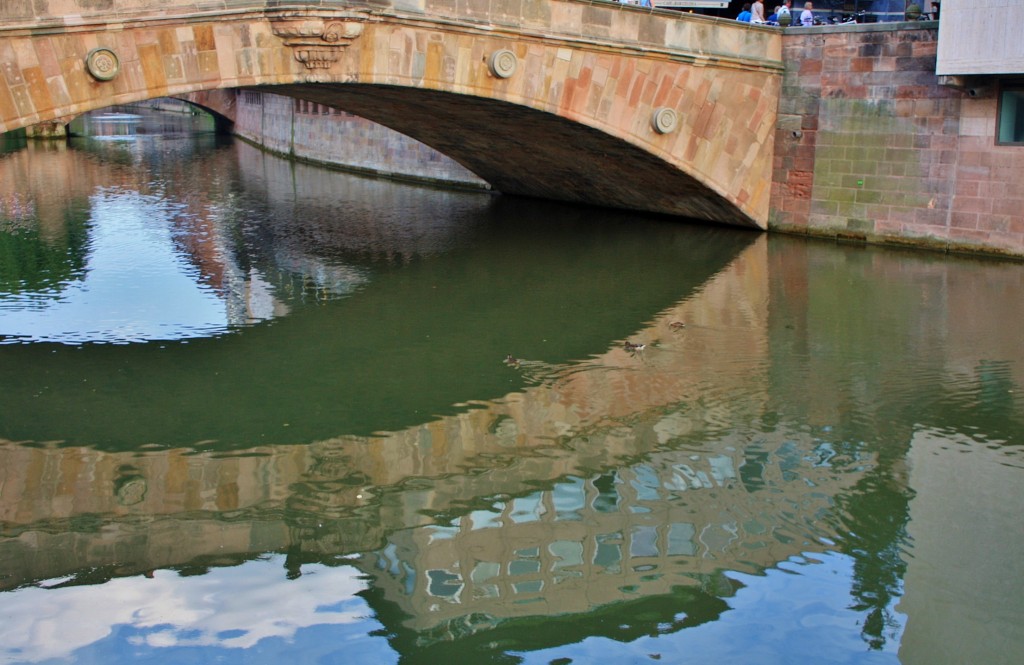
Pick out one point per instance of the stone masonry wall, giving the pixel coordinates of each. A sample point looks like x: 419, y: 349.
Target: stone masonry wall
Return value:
x: 319, y: 134
x: 870, y: 146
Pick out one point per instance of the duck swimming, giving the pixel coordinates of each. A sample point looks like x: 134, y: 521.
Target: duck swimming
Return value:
x: 634, y: 348
x: 676, y: 325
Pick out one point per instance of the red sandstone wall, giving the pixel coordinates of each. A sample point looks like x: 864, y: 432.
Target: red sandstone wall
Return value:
x: 869, y: 145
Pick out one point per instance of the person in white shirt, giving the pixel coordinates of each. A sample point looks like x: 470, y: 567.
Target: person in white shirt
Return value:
x: 807, y: 16
x: 784, y: 9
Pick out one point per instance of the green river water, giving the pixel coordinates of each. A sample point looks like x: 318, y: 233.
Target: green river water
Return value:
x: 254, y: 411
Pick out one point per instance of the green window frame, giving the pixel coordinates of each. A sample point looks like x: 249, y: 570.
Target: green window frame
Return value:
x: 1010, y: 114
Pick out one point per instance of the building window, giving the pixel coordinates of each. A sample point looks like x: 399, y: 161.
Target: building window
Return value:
x: 1010, y: 130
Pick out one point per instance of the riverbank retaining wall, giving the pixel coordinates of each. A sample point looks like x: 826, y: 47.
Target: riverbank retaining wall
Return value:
x: 870, y: 146
x: 311, y: 132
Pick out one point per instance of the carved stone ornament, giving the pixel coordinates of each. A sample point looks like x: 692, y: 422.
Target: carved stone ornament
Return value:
x: 102, y: 64
x: 503, y: 63
x: 316, y: 42
x: 664, y: 120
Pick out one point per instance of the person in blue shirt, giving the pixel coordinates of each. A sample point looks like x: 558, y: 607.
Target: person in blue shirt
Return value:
x: 745, y: 14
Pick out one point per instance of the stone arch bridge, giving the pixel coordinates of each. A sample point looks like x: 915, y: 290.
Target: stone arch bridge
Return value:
x: 585, y: 101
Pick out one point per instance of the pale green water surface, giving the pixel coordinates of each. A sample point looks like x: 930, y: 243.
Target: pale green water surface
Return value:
x: 258, y: 412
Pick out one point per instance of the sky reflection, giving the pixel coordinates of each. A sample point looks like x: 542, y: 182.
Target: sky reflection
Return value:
x: 799, y: 612
x: 238, y: 611
x: 136, y: 287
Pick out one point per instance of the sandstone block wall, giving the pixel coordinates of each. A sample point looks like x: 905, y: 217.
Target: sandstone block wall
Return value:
x: 870, y: 146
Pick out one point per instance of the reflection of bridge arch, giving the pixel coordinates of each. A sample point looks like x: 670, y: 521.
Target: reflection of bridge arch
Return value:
x: 574, y: 109
x: 606, y: 484
x: 483, y: 467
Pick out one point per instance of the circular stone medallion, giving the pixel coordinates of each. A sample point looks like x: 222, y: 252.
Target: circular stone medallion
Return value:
x: 102, y: 64
x: 663, y: 120
x: 503, y: 63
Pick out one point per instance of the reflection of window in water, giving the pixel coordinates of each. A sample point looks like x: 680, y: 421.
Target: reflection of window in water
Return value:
x: 752, y: 470
x: 717, y: 537
x: 608, y: 553
x: 528, y: 553
x: 681, y: 540
x: 568, y: 554
x: 643, y: 541
x: 444, y: 584
x: 410, y: 578
x: 389, y: 560
x: 790, y: 459
x: 569, y: 499
x: 995, y: 387
x: 527, y: 562
x: 684, y: 476
x: 529, y: 586
x: 645, y: 482
x: 436, y: 533
x: 519, y: 567
x: 607, y: 499
x: 527, y: 508
x: 485, y: 519
x: 823, y: 453
x: 722, y: 470
x: 483, y: 572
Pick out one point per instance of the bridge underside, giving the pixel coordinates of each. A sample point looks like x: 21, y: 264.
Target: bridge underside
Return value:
x: 525, y: 152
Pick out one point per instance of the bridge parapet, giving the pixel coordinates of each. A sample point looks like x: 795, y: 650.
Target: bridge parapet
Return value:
x: 690, y: 37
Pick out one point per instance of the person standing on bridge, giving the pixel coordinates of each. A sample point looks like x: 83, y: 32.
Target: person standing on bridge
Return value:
x: 784, y: 9
x: 757, y: 12
x: 807, y: 15
x: 745, y: 14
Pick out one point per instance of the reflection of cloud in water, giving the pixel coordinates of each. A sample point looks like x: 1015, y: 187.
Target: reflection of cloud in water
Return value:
x: 229, y: 608
x: 139, y: 287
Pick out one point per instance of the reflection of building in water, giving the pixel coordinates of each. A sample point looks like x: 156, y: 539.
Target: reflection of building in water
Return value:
x: 582, y: 541
x: 638, y: 530
x: 40, y: 185
x: 165, y: 507
x: 610, y: 480
x: 615, y: 478
x: 53, y: 192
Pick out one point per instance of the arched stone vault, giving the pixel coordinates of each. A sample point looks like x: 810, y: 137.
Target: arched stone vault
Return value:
x: 526, y: 152
x: 219, y: 103
x: 579, y: 101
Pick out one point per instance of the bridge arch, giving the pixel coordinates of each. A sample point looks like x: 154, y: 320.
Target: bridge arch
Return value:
x: 220, y: 103
x: 558, y: 100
